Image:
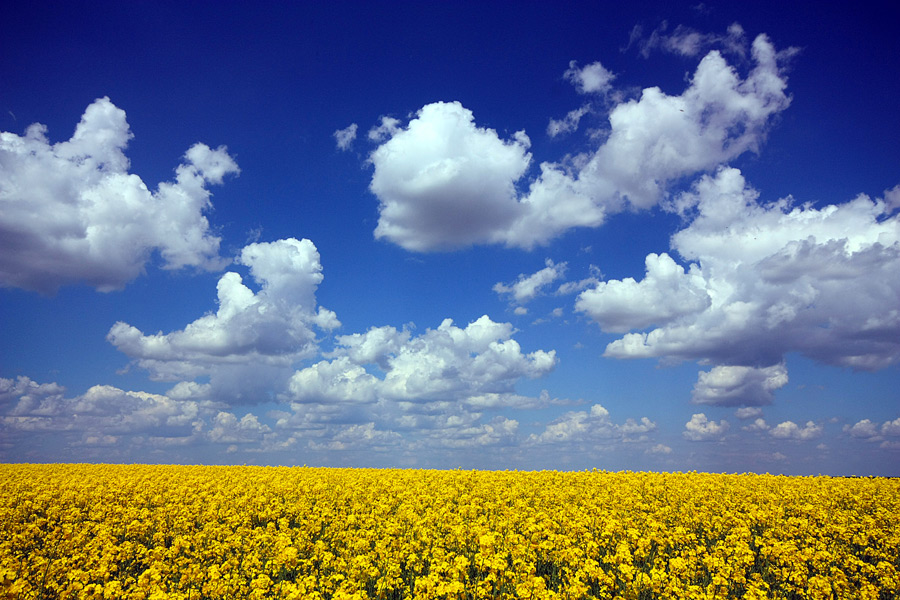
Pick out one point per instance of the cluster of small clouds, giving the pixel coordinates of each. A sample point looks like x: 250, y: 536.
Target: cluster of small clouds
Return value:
x: 593, y: 428
x: 128, y: 424
x: 781, y: 277
x: 475, y: 365
x: 888, y: 433
x: 73, y: 213
x: 788, y: 430
x: 701, y: 429
x: 99, y: 417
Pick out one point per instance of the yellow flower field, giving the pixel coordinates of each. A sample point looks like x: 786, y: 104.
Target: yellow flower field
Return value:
x: 103, y: 531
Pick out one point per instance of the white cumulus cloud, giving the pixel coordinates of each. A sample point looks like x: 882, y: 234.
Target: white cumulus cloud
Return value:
x: 781, y: 278
x: 792, y: 431
x: 445, y: 183
x: 590, y: 79
x: 665, y: 294
x: 447, y: 364
x: 274, y: 326
x: 727, y: 385
x: 701, y: 429
x: 344, y: 137
x: 748, y: 412
x: 865, y: 429
x: 593, y: 426
x: 71, y: 211
x: 92, y: 418
x: 527, y: 287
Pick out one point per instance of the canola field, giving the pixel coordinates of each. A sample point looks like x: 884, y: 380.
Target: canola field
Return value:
x: 182, y: 532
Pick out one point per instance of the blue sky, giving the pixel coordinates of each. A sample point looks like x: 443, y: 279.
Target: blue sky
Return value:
x: 487, y: 235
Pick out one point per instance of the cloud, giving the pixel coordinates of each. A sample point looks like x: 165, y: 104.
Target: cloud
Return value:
x: 443, y: 182
x: 73, y: 213
x: 758, y: 424
x: 748, y: 412
x: 447, y: 364
x: 870, y: 431
x: 358, y: 437
x: 590, y: 79
x: 102, y: 411
x: 591, y: 426
x: 701, y: 429
x: 388, y: 127
x: 500, y: 431
x: 780, y: 278
x: 527, y: 287
x: 739, y: 386
x: 28, y: 395
x: 792, y: 431
x: 665, y: 294
x: 573, y: 287
x: 228, y: 429
x: 891, y: 427
x: 686, y: 41
x: 865, y: 429
x: 274, y: 326
x: 344, y: 137
x: 569, y: 123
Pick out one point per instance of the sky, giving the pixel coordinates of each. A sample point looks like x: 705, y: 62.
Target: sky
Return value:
x: 638, y: 236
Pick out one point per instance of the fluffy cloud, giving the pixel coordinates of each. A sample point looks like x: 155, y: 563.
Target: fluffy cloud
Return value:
x: 792, y: 431
x: 103, y: 410
x: 447, y: 364
x: 526, y: 287
x: 228, y: 429
x: 780, y: 278
x: 665, y: 294
x: 358, y: 437
x: 445, y: 183
x: 748, y: 412
x: 891, y: 427
x: 863, y: 429
x: 463, y: 433
x: 27, y: 395
x: 739, y: 386
x: 73, y: 213
x: 870, y: 431
x: 758, y: 424
x: 591, y: 79
x: 701, y: 429
x: 344, y: 137
x: 274, y: 326
x: 592, y: 426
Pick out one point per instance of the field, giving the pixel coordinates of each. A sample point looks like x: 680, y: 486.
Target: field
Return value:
x: 102, y: 531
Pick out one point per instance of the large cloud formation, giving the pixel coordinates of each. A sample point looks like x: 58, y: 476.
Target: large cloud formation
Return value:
x: 770, y: 279
x: 274, y: 326
x: 71, y: 211
x: 445, y: 183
